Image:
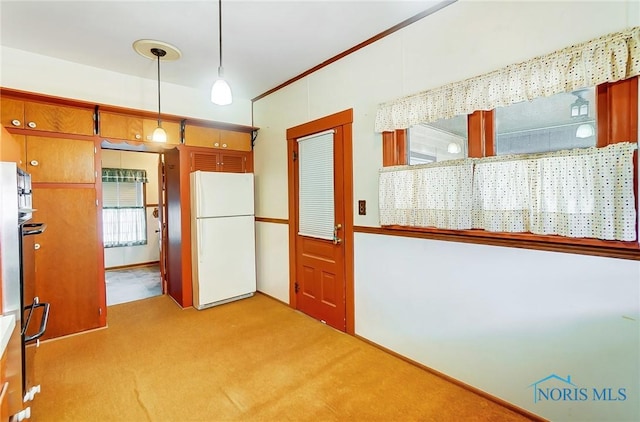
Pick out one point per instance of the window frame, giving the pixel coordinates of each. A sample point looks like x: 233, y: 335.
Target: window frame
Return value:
x: 617, y: 121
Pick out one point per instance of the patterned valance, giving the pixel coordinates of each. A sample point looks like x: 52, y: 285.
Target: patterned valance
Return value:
x: 124, y: 175
x: 610, y: 58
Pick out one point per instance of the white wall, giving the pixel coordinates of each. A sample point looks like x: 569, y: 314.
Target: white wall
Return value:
x: 46, y: 75
x: 496, y: 318
x: 131, y: 255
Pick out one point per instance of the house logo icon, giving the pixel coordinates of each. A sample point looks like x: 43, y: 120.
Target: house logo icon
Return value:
x: 541, y: 393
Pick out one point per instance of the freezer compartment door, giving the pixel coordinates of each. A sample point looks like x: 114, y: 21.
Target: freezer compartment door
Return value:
x: 224, y: 260
x: 216, y: 194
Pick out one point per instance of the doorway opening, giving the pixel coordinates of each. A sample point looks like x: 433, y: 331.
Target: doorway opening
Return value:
x: 130, y: 217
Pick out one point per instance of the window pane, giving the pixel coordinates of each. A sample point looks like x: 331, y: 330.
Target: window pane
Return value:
x: 562, y: 121
x: 445, y: 139
x: 124, y: 219
x: 316, y: 193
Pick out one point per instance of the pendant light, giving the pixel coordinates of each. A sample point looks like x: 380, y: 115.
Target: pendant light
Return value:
x: 156, y: 50
x: 159, y: 134
x: 220, y: 92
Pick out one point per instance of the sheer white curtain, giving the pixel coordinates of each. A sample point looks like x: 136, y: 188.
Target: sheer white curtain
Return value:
x: 573, y: 193
x: 585, y: 193
x: 124, y: 226
x: 429, y: 195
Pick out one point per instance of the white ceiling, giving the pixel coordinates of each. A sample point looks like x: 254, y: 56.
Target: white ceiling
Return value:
x: 265, y: 43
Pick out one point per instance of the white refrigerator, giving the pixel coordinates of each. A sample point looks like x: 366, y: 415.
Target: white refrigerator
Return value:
x: 222, y: 237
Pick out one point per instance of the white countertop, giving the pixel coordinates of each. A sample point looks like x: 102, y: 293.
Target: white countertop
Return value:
x: 7, y: 323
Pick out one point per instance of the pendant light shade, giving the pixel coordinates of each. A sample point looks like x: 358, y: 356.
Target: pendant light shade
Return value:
x: 220, y: 92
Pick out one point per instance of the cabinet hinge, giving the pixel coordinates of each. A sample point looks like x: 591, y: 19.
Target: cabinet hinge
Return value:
x: 97, y: 203
x: 295, y: 155
x: 99, y: 311
x: 296, y: 287
x: 95, y: 150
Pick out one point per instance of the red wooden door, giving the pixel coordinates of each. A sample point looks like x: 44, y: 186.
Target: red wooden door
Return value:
x: 319, y: 267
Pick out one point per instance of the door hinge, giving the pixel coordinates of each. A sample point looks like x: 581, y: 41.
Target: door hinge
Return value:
x: 295, y: 155
x: 99, y: 311
x: 296, y: 287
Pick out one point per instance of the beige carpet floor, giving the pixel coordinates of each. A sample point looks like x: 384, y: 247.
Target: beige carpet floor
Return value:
x: 255, y: 359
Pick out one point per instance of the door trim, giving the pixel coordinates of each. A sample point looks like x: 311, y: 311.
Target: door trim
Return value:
x: 342, y: 119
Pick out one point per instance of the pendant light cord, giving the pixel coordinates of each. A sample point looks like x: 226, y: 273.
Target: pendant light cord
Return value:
x: 158, y: 52
x: 220, y: 34
x: 159, y: 119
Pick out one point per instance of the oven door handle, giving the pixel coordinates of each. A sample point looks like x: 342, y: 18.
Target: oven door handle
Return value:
x: 29, y: 229
x: 43, y: 321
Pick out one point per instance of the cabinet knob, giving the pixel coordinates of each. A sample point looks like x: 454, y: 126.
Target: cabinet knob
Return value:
x: 16, y: 122
x: 224, y: 145
x: 216, y: 144
x: 34, y: 162
x: 36, y: 246
x: 138, y: 136
x: 32, y: 125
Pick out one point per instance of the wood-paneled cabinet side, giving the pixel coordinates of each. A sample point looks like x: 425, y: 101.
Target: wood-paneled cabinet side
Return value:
x: 46, y: 117
x: 67, y: 272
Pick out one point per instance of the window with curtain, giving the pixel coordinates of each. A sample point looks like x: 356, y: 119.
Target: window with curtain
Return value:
x: 124, y: 218
x: 531, y: 172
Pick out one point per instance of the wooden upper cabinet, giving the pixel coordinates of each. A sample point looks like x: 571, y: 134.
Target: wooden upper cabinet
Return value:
x: 238, y: 141
x: 223, y: 161
x: 120, y: 126
x: 172, y: 129
x: 47, y: 117
x: 200, y: 136
x: 60, y: 160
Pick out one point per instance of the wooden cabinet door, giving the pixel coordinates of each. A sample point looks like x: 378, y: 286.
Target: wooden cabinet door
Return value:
x: 120, y: 126
x: 172, y: 129
x: 67, y: 274
x: 12, y: 112
x: 204, y: 161
x: 232, y: 162
x: 200, y: 136
x: 239, y: 141
x: 60, y: 160
x: 55, y: 118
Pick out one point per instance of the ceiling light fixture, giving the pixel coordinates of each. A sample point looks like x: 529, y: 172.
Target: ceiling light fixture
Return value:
x: 585, y: 130
x: 157, y: 50
x: 159, y: 134
x: 580, y: 107
x: 453, y: 148
x: 220, y: 92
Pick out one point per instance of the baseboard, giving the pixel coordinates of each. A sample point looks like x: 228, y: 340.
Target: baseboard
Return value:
x: 459, y: 383
x: 274, y: 298
x: 138, y: 265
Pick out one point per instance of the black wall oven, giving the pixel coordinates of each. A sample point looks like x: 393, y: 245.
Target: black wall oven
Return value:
x: 34, y: 314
